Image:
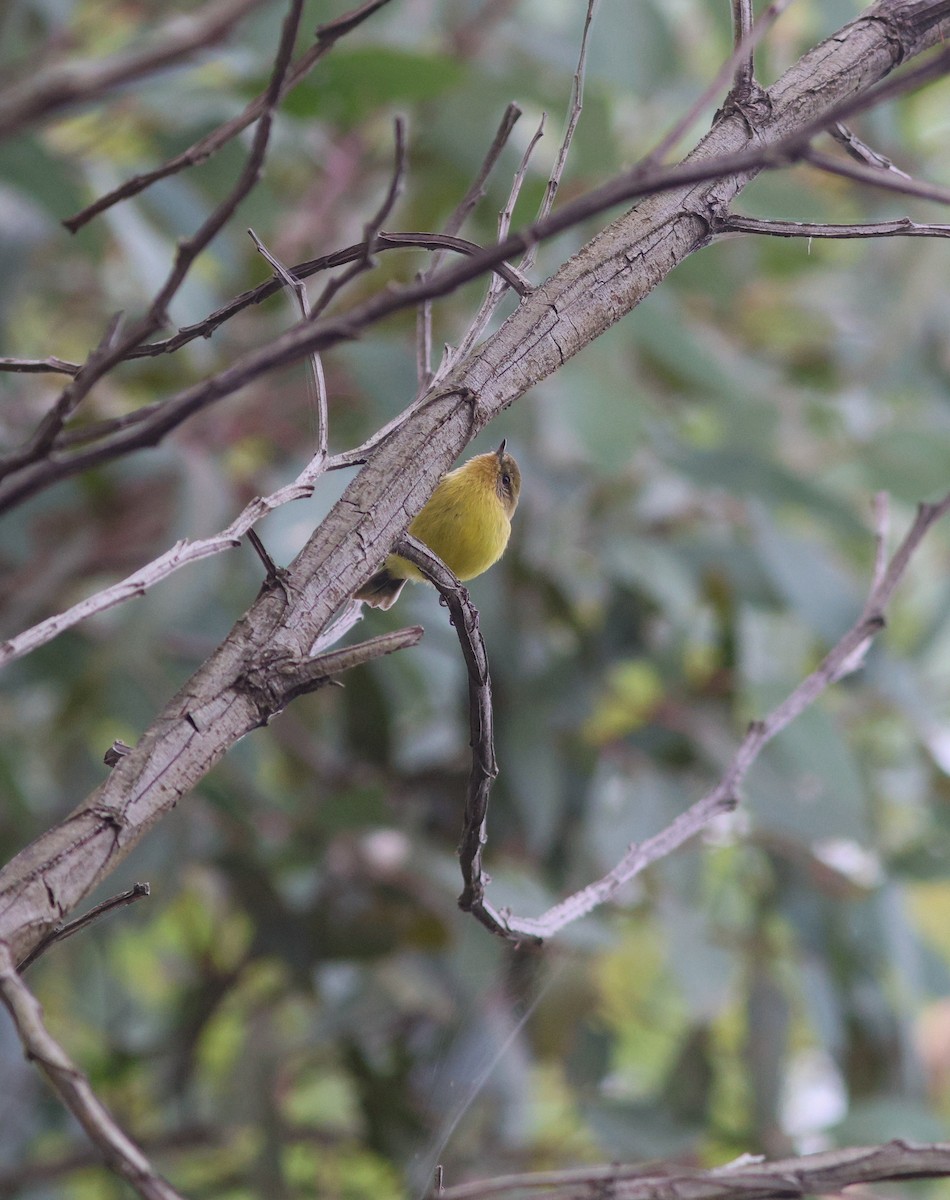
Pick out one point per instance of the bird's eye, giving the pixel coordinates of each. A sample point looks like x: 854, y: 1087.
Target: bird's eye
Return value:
x: 506, y: 480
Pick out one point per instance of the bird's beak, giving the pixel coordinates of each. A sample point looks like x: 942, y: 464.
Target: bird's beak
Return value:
x: 501, y: 449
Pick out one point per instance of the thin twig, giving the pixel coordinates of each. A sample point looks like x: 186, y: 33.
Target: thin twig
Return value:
x: 476, y: 190
x: 735, y: 223
x: 861, y: 151
x: 326, y: 664
x: 371, y: 230
x: 276, y: 679
x: 496, y: 288
x: 121, y: 1154
x: 327, y: 37
x: 830, y: 1173
x: 454, y: 223
x: 256, y: 295
x: 882, y: 524
x: 574, y: 115
x: 38, y: 366
x: 100, y: 363
x: 517, y: 183
x: 271, y: 570
x: 49, y: 428
x: 317, y: 379
x: 44, y: 93
x: 66, y: 929
x: 731, y: 68
x: 180, y: 555
x: 892, y: 181
x: 150, y: 424
x: 742, y: 44
x: 423, y: 342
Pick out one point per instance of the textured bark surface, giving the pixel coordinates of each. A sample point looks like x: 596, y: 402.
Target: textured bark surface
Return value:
x: 227, y: 697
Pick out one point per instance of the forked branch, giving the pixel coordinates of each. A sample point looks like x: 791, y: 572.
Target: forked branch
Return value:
x: 845, y: 657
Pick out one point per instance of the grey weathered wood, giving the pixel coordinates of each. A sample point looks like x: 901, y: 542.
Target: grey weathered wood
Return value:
x: 602, y: 283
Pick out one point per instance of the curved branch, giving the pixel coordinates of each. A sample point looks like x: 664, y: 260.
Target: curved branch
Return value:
x: 464, y: 617
x: 606, y: 279
x: 263, y: 291
x: 844, y: 658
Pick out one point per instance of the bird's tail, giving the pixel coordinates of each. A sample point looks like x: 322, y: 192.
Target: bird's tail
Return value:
x: 380, y: 590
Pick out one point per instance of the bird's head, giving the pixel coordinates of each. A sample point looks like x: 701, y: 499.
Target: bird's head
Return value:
x: 508, y: 479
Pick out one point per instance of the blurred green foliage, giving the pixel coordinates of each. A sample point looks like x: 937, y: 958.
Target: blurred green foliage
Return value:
x: 300, y: 1009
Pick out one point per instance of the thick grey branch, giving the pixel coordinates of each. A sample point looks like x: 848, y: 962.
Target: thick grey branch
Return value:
x: 607, y: 279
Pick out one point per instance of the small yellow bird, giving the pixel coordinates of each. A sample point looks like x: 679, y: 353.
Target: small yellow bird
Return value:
x: 466, y: 522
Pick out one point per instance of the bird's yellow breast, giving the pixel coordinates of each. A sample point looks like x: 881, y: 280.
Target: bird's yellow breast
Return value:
x: 464, y: 522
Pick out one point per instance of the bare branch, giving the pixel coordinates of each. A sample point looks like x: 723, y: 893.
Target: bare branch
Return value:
x: 455, y: 221
x: 517, y: 183
x: 373, y: 226
x: 826, y: 1174
x: 318, y: 383
x: 423, y: 342
x: 66, y: 929
x: 745, y: 68
x: 151, y: 423
x: 51, y: 425
x: 330, y: 663
x: 607, y: 278
x: 103, y: 359
x: 39, y: 366
x: 476, y: 190
x: 180, y: 555
x: 881, y: 530
x: 121, y: 1154
x: 327, y: 37
x: 42, y: 94
x: 861, y: 151
x: 256, y: 295
x: 496, y: 289
x: 464, y: 617
x: 845, y: 657
x: 734, y: 67
x: 892, y: 181
x: 574, y: 115
x: 735, y: 223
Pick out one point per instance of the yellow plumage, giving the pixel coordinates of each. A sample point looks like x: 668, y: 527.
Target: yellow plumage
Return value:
x: 466, y: 522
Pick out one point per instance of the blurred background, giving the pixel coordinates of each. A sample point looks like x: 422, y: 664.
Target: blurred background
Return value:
x: 300, y: 1009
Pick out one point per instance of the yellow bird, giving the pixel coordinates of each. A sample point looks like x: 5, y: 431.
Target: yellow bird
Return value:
x: 466, y: 522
